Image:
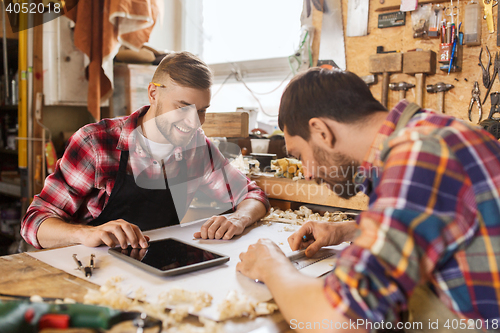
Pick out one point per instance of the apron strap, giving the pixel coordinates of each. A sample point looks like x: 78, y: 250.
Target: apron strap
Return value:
x: 406, y: 115
x: 410, y: 110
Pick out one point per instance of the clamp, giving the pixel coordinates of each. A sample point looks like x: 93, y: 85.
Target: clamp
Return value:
x: 476, y: 97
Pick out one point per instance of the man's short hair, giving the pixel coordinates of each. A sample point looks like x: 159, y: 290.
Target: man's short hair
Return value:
x: 319, y: 92
x: 185, y: 69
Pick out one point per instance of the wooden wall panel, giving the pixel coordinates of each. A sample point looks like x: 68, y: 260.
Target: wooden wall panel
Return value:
x: 358, y: 50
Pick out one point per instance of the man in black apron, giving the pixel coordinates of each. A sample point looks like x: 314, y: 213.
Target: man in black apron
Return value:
x: 424, y: 255
x: 122, y: 176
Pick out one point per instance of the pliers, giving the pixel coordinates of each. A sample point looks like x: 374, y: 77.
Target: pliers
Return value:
x: 476, y: 97
x: 496, y: 70
x: 486, y: 71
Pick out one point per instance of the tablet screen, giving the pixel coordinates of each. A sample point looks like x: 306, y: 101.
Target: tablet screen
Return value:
x: 168, y: 254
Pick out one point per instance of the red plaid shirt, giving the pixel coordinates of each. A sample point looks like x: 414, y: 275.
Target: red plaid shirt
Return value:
x: 80, y: 187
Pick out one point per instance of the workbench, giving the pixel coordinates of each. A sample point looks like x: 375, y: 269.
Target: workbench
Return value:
x: 24, y: 275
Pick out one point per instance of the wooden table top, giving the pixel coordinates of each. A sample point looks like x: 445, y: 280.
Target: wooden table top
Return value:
x: 24, y: 275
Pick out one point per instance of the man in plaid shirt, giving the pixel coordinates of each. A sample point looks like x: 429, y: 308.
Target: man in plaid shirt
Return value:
x: 432, y: 229
x: 121, y: 176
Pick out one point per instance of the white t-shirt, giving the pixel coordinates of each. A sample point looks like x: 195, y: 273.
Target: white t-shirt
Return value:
x: 159, y: 151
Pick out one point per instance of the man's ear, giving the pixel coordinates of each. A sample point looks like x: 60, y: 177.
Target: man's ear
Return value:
x: 152, y: 94
x: 321, y: 133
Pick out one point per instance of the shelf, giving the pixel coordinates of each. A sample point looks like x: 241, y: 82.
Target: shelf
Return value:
x: 8, y: 151
x: 10, y: 189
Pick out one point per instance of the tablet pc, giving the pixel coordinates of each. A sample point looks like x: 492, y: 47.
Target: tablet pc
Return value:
x: 170, y: 256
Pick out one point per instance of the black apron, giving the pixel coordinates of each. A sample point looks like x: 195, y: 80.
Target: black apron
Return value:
x: 149, y: 206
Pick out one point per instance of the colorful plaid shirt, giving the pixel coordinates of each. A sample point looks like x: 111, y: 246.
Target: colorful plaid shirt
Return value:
x: 433, y: 217
x: 84, y: 177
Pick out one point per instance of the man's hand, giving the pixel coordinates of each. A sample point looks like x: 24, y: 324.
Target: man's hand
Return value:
x: 117, y: 232
x: 260, y: 259
x: 220, y: 227
x: 319, y: 234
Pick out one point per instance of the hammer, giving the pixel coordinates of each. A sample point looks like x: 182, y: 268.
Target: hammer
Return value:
x: 386, y: 63
x: 440, y: 88
x: 419, y: 63
x: 402, y: 87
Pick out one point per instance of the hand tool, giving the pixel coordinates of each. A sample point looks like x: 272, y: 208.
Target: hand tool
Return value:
x: 492, y: 125
x: 357, y: 18
x: 440, y: 88
x: 488, y: 15
x: 419, y: 63
x: 451, y: 11
x: 495, y: 105
x: 402, y: 87
x: 31, y: 317
x: 87, y: 269
x: 496, y: 70
x: 498, y: 22
x: 386, y: 64
x: 332, y: 45
x: 476, y: 97
x: 486, y: 70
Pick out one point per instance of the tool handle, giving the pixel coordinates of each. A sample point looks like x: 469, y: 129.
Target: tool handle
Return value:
x: 385, y: 88
x: 419, y: 93
x: 441, y: 101
x: 402, y: 94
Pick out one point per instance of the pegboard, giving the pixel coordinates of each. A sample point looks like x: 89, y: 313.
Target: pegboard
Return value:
x: 358, y: 50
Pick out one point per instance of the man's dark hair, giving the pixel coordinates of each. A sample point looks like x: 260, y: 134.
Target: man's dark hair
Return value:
x: 185, y: 69
x: 319, y: 92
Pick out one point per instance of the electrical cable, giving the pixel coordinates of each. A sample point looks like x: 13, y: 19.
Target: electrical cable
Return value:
x: 222, y: 84
x: 258, y: 101
x: 269, y: 92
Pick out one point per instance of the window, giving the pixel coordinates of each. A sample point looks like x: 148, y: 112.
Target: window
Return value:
x: 247, y: 45
x: 238, y: 30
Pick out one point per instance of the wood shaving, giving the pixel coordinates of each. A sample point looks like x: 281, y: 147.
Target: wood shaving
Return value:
x: 302, y: 215
x: 238, y: 305
x: 176, y: 296
x: 179, y: 300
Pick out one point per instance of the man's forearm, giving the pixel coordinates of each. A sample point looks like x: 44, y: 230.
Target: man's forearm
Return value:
x: 54, y: 232
x: 250, y: 210
x: 301, y: 300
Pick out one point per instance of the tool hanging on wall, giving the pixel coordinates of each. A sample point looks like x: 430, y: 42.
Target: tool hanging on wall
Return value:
x: 420, y: 64
x: 492, y: 125
x: 386, y: 64
x: 476, y: 97
x: 402, y: 87
x: 498, y: 22
x: 357, y: 18
x: 440, y: 89
x: 486, y: 70
x: 332, y: 46
x: 472, y: 22
x: 394, y: 19
x: 488, y: 14
x: 496, y: 71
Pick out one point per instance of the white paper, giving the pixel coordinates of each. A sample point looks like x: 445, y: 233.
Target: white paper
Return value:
x: 217, y: 281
